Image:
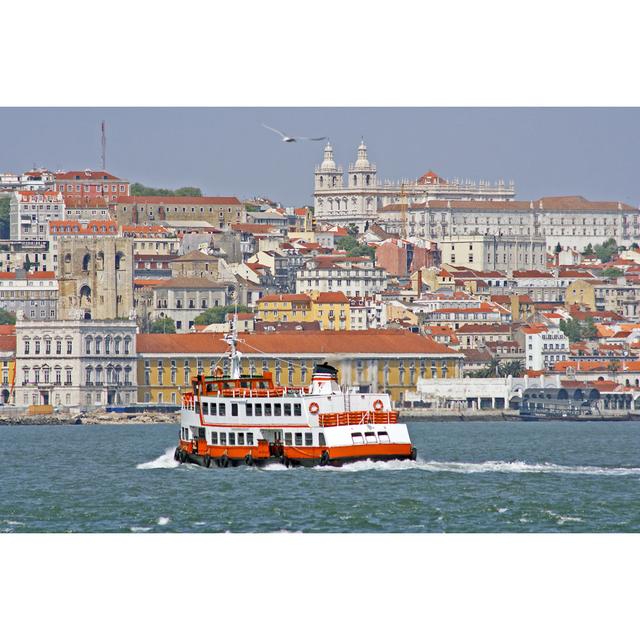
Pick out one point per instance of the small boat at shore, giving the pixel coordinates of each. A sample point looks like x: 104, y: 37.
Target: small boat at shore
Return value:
x: 247, y: 420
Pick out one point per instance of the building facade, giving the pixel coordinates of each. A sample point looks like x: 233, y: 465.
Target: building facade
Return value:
x: 385, y: 360
x: 95, y: 278
x: 76, y: 363
x: 31, y: 211
x: 91, y: 184
x: 358, y: 200
x: 33, y: 296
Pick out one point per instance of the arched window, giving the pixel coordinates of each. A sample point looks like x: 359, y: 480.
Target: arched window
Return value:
x: 67, y: 263
x: 89, y: 375
x: 98, y: 374
x: 368, y: 180
x: 100, y: 261
x: 98, y: 345
x: 85, y: 294
x: 107, y: 345
x: 86, y: 261
x: 127, y: 345
x: 355, y: 180
x: 88, y: 341
x: 321, y: 181
x: 116, y: 344
x: 120, y: 261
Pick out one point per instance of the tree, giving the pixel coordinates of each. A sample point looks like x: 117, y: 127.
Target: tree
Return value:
x: 606, y: 250
x: 589, y: 329
x: 612, y: 272
x: 138, y: 189
x: 558, y: 248
x: 5, y: 205
x: 572, y: 329
x: 635, y: 245
x: 346, y: 243
x: 162, y: 325
x: 352, y: 230
x: 6, y: 317
x: 513, y: 368
x: 588, y: 250
x: 216, y: 315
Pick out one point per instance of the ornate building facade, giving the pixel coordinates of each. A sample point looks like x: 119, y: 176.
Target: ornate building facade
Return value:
x: 95, y: 278
x: 359, y: 200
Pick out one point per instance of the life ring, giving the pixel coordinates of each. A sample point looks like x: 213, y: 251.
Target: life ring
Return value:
x: 176, y: 454
x: 183, y: 455
x: 324, y: 458
x: 207, y: 461
x: 377, y: 405
x: 414, y: 454
x: 248, y: 460
x: 314, y: 408
x: 224, y: 460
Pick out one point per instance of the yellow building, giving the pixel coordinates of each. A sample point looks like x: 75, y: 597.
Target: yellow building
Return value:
x: 7, y: 365
x: 332, y: 310
x: 374, y: 360
x: 580, y: 292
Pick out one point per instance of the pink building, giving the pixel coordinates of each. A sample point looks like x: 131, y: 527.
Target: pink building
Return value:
x: 89, y: 183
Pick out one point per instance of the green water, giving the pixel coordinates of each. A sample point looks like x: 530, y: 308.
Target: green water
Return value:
x: 469, y: 477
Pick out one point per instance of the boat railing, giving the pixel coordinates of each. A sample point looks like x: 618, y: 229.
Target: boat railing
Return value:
x: 353, y: 418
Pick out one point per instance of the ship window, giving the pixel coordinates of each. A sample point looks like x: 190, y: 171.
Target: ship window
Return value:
x: 234, y: 408
x: 241, y: 438
x: 287, y: 438
x: 383, y: 436
x: 197, y: 406
x: 201, y: 433
x: 370, y: 437
x: 308, y: 439
x: 214, y: 437
x: 205, y: 408
x: 249, y: 409
x: 223, y: 439
x: 357, y: 438
x: 258, y: 410
x: 250, y: 439
x: 298, y: 439
x: 222, y: 410
x: 277, y: 409
x: 287, y: 409
x: 297, y: 409
x: 232, y: 438
x: 267, y: 409
x: 214, y: 409
x: 321, y: 441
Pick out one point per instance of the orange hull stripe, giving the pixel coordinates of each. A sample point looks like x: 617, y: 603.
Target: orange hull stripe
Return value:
x: 349, y: 451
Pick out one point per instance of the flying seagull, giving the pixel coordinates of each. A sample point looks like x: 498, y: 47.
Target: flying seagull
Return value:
x: 286, y: 138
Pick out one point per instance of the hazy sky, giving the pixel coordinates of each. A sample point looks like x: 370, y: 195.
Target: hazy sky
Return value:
x: 225, y: 151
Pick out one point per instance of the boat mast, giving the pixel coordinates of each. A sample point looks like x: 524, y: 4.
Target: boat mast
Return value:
x: 232, y: 340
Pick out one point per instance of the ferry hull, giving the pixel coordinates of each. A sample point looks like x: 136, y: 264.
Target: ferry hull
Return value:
x: 392, y: 452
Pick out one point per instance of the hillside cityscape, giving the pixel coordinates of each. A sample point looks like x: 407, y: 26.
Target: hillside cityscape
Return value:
x: 449, y: 294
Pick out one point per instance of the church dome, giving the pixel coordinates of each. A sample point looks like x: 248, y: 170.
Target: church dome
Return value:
x: 328, y: 163
x: 363, y: 161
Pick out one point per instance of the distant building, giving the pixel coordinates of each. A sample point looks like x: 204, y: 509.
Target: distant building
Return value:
x: 494, y: 252
x: 91, y: 184
x: 32, y: 296
x: 543, y: 347
x: 31, y: 255
x: 31, y: 211
x: 76, y: 363
x: 219, y: 211
x: 359, y: 199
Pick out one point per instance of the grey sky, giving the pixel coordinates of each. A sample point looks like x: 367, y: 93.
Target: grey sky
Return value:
x: 225, y: 151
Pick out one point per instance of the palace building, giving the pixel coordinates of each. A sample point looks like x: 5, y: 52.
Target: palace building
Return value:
x: 359, y: 199
x: 374, y: 360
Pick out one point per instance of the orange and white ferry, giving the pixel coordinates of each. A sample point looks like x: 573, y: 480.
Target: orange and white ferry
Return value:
x: 247, y: 420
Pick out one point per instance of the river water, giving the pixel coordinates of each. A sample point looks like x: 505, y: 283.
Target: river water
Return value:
x: 469, y: 477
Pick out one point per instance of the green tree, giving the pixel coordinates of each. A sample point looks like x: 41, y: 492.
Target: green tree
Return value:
x: 346, y: 243
x: 612, y: 272
x: 216, y: 315
x: 588, y: 250
x: 162, y: 325
x: 6, y: 317
x: 558, y: 248
x: 606, y: 250
x: 635, y: 245
x: 138, y: 189
x: 514, y: 368
x: 589, y: 329
x: 572, y: 329
x: 352, y: 230
x: 5, y: 204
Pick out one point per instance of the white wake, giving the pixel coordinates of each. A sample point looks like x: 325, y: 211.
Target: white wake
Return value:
x: 165, y: 461
x: 490, y: 466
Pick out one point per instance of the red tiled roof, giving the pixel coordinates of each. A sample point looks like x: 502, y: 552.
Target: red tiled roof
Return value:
x: 484, y: 328
x: 8, y: 343
x: 322, y: 342
x: 332, y: 297
x: 194, y: 200
x: 85, y: 175
x: 78, y: 202
x: 285, y: 297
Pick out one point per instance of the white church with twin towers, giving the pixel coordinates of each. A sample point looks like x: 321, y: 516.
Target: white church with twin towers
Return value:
x: 358, y: 200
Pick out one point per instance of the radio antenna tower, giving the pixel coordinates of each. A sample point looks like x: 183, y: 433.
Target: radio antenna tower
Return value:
x: 104, y: 146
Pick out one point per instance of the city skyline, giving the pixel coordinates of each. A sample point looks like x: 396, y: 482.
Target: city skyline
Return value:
x: 226, y: 151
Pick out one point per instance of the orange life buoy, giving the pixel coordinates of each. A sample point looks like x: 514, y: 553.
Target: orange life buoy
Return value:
x: 314, y: 408
x: 377, y: 405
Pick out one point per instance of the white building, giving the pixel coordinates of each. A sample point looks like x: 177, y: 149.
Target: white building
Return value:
x: 359, y: 199
x: 354, y: 276
x: 76, y: 363
x: 32, y: 295
x: 31, y: 211
x: 544, y: 347
x: 367, y: 312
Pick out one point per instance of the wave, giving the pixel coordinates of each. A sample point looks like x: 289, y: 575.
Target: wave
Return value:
x: 139, y: 529
x: 165, y: 461
x: 490, y: 466
x: 163, y: 520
